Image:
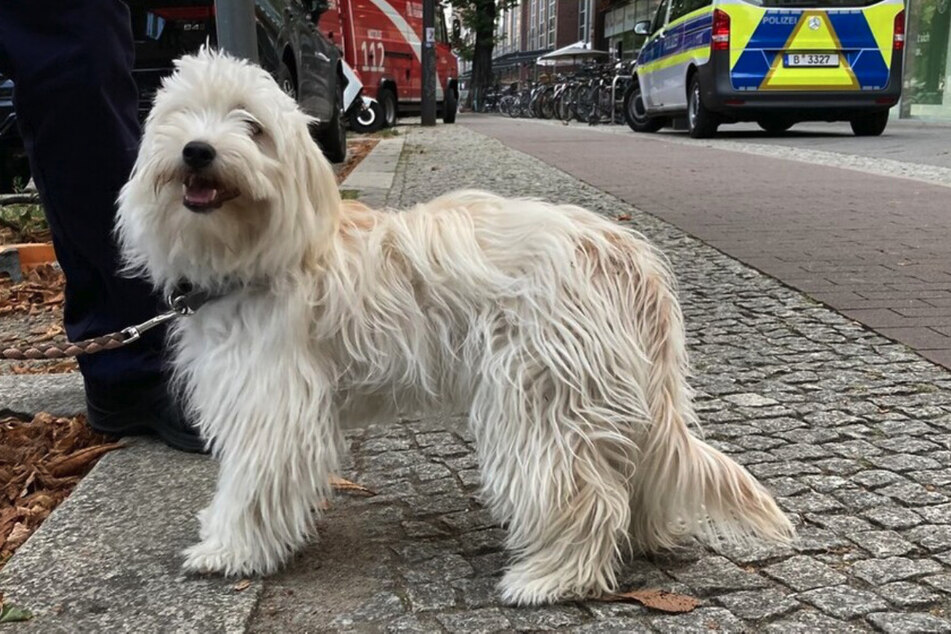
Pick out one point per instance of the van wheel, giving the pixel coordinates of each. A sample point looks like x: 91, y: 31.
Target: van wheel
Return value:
x: 701, y: 123
x: 367, y: 120
x: 775, y: 125
x: 870, y: 124
x: 449, y: 106
x: 388, y: 102
x: 333, y: 140
x: 635, y: 113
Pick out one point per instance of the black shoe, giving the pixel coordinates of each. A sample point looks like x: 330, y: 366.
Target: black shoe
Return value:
x: 142, y: 408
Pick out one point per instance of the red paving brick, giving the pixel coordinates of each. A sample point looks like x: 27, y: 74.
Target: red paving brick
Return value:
x: 877, y: 249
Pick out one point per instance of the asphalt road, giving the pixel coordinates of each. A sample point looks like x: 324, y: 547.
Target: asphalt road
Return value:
x: 908, y: 141
x: 860, y: 224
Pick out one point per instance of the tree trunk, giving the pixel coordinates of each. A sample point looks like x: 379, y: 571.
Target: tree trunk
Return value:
x: 482, y: 53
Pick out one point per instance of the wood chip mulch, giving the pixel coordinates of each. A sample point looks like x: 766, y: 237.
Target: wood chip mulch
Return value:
x: 41, y: 460
x: 357, y: 150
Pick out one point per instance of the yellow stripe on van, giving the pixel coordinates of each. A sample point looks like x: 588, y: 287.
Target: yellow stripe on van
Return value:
x: 702, y: 52
x: 807, y: 39
x: 691, y: 15
x: 881, y: 21
x: 744, y: 19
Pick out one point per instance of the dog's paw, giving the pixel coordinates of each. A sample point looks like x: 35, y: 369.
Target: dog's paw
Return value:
x: 519, y: 588
x: 210, y: 556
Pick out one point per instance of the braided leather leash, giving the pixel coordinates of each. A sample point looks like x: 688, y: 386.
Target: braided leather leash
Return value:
x: 185, y: 301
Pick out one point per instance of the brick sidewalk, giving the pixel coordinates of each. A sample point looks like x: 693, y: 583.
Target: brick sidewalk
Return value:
x: 877, y: 249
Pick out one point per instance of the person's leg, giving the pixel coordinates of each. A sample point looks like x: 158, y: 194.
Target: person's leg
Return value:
x: 76, y: 102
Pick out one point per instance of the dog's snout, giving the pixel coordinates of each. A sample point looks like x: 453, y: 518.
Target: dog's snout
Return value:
x: 198, y: 154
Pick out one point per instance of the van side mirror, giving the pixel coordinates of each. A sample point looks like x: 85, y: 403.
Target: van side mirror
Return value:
x: 642, y: 28
x: 456, y: 29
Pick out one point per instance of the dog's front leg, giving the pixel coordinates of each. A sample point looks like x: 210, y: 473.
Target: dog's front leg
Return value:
x: 276, y: 452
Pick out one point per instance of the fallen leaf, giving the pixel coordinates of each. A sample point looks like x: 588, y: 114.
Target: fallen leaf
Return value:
x: 13, y: 614
x: 242, y: 585
x: 624, y: 217
x: 18, y: 535
x: 76, y: 462
x: 339, y: 484
x: 657, y: 600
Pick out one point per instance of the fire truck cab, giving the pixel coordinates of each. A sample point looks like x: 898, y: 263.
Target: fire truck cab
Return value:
x: 381, y: 39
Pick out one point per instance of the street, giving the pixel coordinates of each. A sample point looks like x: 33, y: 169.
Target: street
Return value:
x: 869, y: 244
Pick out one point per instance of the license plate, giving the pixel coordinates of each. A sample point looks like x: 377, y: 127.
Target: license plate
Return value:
x: 820, y: 60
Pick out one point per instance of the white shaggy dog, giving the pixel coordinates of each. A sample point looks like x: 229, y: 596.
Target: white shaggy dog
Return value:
x: 556, y: 330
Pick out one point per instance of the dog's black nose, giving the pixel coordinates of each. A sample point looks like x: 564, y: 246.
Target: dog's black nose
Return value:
x: 198, y: 154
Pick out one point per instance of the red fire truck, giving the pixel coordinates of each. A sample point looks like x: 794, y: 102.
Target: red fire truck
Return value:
x: 382, y: 41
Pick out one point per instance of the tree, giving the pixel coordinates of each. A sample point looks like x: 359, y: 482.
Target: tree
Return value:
x: 478, y: 17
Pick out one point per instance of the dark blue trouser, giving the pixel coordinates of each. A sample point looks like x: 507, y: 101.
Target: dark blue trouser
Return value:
x: 76, y: 103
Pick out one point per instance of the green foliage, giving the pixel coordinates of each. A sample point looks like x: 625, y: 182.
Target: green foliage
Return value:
x: 13, y: 614
x: 25, y: 221
x: 479, y: 17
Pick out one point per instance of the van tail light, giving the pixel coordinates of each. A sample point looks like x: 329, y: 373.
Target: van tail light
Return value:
x: 720, y: 40
x: 899, y: 38
x: 185, y: 13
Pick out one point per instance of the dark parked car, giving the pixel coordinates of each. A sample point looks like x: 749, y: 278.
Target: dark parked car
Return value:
x: 304, y: 62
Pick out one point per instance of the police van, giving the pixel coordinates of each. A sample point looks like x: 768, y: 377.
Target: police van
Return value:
x: 775, y: 62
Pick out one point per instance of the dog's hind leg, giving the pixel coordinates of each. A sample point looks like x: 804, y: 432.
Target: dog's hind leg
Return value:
x: 684, y: 487
x: 562, y: 490
x: 277, y: 452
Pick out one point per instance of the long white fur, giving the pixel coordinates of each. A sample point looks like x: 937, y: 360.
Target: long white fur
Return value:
x: 557, y: 330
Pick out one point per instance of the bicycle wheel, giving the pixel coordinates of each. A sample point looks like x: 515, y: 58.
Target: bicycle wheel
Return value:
x: 546, y: 108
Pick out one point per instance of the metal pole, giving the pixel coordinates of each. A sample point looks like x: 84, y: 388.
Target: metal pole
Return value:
x: 236, y: 28
x: 429, y: 63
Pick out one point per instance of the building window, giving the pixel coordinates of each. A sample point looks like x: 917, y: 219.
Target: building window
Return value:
x: 532, y: 23
x: 583, y: 29
x: 552, y: 14
x: 927, y: 78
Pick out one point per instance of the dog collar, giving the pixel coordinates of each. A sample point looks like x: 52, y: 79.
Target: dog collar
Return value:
x: 186, y: 299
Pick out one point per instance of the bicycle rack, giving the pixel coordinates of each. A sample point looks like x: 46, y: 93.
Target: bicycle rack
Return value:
x: 613, y: 96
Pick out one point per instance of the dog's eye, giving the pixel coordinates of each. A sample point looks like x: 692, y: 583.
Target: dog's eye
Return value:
x: 254, y: 127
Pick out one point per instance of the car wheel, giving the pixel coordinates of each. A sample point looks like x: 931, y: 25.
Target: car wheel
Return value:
x: 449, y: 106
x: 333, y: 139
x: 367, y: 120
x: 635, y: 113
x: 775, y: 125
x: 387, y: 100
x: 870, y: 124
x: 701, y: 123
x: 285, y: 79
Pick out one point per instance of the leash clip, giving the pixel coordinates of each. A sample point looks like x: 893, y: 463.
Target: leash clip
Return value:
x: 134, y: 333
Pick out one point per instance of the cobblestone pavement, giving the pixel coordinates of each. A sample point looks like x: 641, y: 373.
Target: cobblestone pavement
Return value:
x: 851, y: 432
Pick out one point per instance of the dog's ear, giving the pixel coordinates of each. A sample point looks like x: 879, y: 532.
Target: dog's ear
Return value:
x: 317, y: 185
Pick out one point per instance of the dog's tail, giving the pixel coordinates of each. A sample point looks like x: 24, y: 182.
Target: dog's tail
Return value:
x: 682, y: 485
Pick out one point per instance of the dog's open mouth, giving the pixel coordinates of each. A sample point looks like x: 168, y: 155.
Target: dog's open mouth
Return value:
x: 202, y: 194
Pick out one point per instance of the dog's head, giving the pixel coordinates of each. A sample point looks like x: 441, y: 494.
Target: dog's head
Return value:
x: 228, y: 185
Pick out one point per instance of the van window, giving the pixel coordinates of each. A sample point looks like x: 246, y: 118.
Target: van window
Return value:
x: 812, y: 4
x: 693, y: 5
x: 660, y: 17
x: 680, y: 8
x: 441, y: 34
